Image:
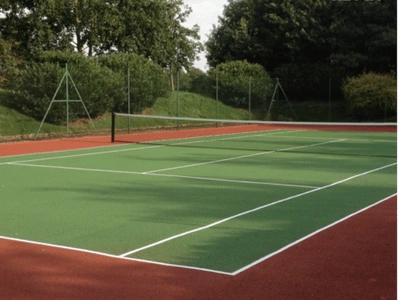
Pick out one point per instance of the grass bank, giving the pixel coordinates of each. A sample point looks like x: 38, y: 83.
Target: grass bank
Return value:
x: 15, y: 125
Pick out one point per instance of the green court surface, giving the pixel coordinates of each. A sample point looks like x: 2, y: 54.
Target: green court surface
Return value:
x: 218, y: 203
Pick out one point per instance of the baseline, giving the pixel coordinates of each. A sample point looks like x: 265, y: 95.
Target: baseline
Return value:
x: 197, y: 268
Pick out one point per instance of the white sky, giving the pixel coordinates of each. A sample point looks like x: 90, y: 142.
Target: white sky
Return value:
x: 204, y: 13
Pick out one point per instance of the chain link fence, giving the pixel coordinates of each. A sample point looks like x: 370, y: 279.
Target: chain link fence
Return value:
x: 135, y: 90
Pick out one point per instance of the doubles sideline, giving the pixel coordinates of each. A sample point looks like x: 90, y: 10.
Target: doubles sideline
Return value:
x: 241, y: 135
x: 124, y: 256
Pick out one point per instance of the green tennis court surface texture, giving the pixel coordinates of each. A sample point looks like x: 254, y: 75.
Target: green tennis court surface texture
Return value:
x: 217, y: 203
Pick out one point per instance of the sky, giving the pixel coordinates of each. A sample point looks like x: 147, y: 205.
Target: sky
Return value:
x: 204, y: 13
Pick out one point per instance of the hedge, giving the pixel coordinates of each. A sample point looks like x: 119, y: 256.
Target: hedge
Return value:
x: 371, y: 96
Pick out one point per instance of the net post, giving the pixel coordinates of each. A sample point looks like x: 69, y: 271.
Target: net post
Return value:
x: 113, y: 127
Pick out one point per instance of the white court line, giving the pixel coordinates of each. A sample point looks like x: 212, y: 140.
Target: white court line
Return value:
x: 267, y: 133
x: 112, y: 255
x: 60, y: 151
x: 272, y: 131
x: 191, y: 267
x: 240, y: 157
x: 308, y: 236
x: 234, y: 180
x: 384, y: 141
x: 348, y: 139
x: 251, y: 211
x: 74, y: 168
x: 24, y: 163
x: 82, y: 154
x: 165, y: 175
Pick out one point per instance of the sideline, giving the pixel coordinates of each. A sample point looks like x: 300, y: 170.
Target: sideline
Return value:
x: 195, y: 268
x: 252, y: 210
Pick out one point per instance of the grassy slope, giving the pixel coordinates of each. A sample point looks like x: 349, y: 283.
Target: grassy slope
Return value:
x: 15, y: 123
x: 189, y: 105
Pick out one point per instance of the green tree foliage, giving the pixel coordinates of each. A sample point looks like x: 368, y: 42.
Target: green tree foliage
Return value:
x: 238, y: 79
x: 36, y: 25
x: 358, y: 35
x: 265, y: 32
x: 152, y: 28
x: 8, y: 59
x: 371, y: 96
x: 196, y: 81
x: 355, y: 35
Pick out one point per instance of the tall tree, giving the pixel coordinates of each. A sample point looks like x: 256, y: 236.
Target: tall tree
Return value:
x: 34, y: 25
x: 152, y: 28
x: 265, y: 32
x: 361, y: 36
x: 355, y: 34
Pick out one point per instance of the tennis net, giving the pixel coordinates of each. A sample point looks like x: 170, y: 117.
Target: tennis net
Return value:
x: 361, y: 139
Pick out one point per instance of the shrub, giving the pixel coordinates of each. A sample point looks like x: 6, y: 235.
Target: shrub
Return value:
x: 8, y: 60
x: 34, y: 84
x: 148, y: 81
x: 371, y: 96
x: 101, y: 82
x: 198, y: 82
x: 237, y: 78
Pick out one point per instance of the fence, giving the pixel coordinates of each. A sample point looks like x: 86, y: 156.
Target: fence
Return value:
x: 135, y: 90
x: 295, y: 99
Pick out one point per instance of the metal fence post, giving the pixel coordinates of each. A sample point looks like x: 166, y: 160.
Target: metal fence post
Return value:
x: 129, y: 99
x: 249, y: 98
x: 177, y: 98
x: 330, y: 98
x: 67, y: 97
x: 216, y: 98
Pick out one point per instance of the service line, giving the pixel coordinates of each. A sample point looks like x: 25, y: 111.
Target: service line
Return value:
x: 166, y: 175
x: 146, y: 146
x: 242, y: 156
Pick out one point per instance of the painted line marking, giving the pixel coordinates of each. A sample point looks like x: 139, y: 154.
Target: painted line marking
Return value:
x: 196, y: 268
x: 267, y: 133
x: 348, y: 139
x: 251, y: 211
x: 167, y: 175
x: 24, y: 163
x: 74, y: 168
x: 242, y: 135
x: 308, y: 236
x: 112, y: 255
x: 234, y: 180
x: 240, y: 157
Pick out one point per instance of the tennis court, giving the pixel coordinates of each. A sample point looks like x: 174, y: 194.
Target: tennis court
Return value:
x: 217, y: 203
